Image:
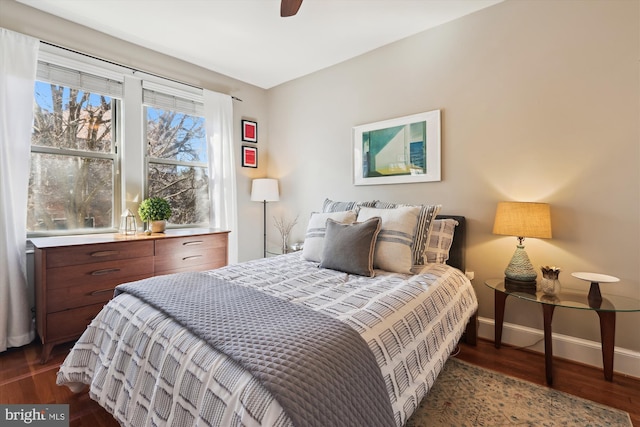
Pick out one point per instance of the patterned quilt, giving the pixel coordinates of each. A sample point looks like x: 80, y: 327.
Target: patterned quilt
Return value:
x: 147, y: 370
x: 299, y: 355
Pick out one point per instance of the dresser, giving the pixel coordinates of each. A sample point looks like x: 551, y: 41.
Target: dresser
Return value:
x: 76, y: 275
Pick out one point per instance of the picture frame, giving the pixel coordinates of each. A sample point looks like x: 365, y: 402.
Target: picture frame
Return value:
x: 398, y: 151
x: 249, y: 131
x: 249, y: 157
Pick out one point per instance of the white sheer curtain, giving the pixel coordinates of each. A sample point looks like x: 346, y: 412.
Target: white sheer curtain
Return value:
x: 218, y: 113
x: 18, y: 62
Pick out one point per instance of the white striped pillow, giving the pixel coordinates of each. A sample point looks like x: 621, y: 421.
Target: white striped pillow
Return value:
x: 316, y: 229
x: 397, y: 228
x: 423, y: 229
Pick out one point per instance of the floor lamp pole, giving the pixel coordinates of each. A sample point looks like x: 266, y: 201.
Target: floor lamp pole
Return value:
x: 264, y: 227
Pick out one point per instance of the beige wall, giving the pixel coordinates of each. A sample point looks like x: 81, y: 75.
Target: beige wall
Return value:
x: 23, y: 19
x: 539, y: 102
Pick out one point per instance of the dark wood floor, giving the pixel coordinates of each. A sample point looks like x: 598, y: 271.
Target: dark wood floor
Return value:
x: 24, y: 380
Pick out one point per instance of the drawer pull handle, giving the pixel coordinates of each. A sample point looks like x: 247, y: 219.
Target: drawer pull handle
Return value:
x: 101, y: 291
x: 193, y: 242
x: 105, y: 271
x: 104, y: 253
x: 187, y: 258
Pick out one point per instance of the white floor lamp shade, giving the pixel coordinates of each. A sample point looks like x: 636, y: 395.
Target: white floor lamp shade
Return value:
x: 265, y: 190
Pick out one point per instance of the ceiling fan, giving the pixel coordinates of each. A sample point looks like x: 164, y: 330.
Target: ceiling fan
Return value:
x: 289, y: 7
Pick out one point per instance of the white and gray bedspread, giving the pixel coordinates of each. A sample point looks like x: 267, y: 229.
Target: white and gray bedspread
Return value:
x: 146, y: 369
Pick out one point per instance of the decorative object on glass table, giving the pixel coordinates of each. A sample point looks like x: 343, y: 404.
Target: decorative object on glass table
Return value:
x: 549, y: 284
x: 595, y: 297
x: 284, y: 226
x: 297, y: 246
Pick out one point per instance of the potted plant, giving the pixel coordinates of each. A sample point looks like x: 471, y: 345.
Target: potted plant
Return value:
x: 155, y: 211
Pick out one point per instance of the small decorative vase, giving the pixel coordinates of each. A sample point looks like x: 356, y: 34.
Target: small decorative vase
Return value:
x: 285, y: 243
x: 157, y: 226
x: 549, y: 284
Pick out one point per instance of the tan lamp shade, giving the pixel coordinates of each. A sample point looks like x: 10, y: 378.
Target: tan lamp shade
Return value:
x: 523, y: 219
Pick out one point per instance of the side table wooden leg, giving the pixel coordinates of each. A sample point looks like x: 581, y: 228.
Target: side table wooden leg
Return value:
x: 607, y: 337
x: 498, y: 313
x: 547, y: 310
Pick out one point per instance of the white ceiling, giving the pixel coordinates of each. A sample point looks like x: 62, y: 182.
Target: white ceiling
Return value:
x: 249, y: 41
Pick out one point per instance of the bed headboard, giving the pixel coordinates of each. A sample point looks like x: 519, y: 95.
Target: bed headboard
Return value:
x: 457, y: 251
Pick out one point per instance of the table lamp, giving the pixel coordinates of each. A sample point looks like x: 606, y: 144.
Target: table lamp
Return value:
x: 522, y: 219
x: 265, y: 190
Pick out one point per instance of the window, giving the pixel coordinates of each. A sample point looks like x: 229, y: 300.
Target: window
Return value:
x: 177, y: 156
x: 73, y: 152
x: 79, y: 182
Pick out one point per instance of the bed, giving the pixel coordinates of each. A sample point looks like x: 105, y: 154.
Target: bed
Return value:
x: 147, y: 368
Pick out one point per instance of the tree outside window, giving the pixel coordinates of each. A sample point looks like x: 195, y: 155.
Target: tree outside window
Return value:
x: 177, y: 164
x: 73, y: 160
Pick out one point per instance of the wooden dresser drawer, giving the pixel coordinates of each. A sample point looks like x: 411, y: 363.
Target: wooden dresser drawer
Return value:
x: 190, y: 244
x: 85, y: 254
x: 191, y: 253
x: 70, y: 324
x: 87, y: 293
x: 99, y: 274
x: 191, y: 260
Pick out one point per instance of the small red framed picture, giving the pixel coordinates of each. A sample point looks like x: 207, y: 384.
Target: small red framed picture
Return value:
x: 249, y: 157
x: 249, y: 131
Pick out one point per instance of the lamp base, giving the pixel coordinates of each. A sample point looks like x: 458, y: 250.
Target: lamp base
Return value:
x: 520, y: 268
x: 520, y: 285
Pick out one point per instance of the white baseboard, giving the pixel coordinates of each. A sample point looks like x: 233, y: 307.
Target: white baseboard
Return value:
x: 625, y: 361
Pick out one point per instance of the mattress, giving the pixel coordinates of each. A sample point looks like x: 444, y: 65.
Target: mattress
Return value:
x: 146, y: 369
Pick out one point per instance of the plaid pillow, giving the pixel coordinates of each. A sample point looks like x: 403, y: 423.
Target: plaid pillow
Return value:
x: 440, y: 240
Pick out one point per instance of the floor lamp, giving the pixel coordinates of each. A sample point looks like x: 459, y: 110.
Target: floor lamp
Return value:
x: 265, y: 190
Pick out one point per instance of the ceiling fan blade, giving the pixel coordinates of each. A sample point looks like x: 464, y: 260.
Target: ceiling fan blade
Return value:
x: 289, y: 7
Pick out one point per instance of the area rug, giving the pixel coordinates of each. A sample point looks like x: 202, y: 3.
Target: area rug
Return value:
x: 466, y: 395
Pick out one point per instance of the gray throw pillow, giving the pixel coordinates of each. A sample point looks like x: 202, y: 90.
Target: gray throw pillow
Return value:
x: 349, y: 247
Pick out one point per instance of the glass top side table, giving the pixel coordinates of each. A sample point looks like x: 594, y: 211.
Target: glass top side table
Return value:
x: 607, y: 307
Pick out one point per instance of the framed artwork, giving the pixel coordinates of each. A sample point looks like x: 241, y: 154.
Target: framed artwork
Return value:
x: 397, y: 151
x: 249, y: 131
x: 249, y: 157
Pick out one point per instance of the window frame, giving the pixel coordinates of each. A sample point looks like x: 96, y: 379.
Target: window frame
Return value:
x: 130, y: 151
